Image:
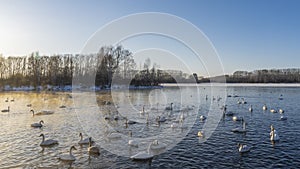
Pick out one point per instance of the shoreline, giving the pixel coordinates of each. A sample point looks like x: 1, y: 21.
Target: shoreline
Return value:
x: 69, y: 88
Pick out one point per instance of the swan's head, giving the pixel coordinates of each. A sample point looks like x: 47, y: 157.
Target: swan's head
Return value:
x: 32, y: 111
x: 80, y: 134
x: 272, y: 128
x: 73, y: 147
x: 42, y: 121
x: 42, y: 135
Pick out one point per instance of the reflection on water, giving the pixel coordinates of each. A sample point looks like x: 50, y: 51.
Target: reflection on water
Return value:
x: 20, y: 143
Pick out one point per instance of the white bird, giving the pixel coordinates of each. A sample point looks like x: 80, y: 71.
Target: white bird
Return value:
x: 83, y: 141
x: 283, y: 117
x: 133, y: 143
x: 202, y: 117
x: 48, y: 142
x: 68, y: 157
x: 273, y: 134
x: 236, y: 118
x: 265, y: 107
x: 273, y: 111
x: 243, y: 148
x: 239, y: 101
x: 240, y: 130
x: 250, y: 108
x: 200, y: 134
x: 37, y: 124
x: 281, y: 111
x: 173, y: 125
x: 143, y: 156
x: 43, y: 112
x: 143, y: 110
x: 5, y: 110
x: 243, y: 101
x: 130, y: 121
x: 93, y: 149
x: 156, y: 146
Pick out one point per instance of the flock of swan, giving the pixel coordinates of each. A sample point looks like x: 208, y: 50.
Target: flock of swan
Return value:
x: 274, y: 136
x: 154, y: 145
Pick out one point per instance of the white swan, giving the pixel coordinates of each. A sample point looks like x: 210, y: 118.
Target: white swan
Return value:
x: 202, y: 118
x: 143, y: 110
x: 239, y: 101
x: 200, y: 134
x: 240, y: 130
x: 281, y: 111
x: 37, y: 124
x: 5, y: 110
x: 243, y: 148
x: 143, y: 156
x: 83, y: 141
x: 93, y: 149
x: 156, y: 146
x: 283, y: 117
x: 133, y: 143
x: 273, y: 111
x: 273, y: 134
x: 250, y: 108
x: 43, y: 112
x: 170, y: 108
x: 48, y: 142
x: 68, y: 157
x: 130, y: 121
x: 265, y: 107
x: 243, y: 101
x: 236, y: 118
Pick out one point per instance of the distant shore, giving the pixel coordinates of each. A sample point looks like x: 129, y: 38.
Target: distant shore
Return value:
x: 69, y: 88
x: 76, y: 88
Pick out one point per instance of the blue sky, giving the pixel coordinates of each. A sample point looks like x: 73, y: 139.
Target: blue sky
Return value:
x: 247, y: 35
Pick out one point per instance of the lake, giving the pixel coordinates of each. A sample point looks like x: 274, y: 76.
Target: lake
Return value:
x: 98, y: 114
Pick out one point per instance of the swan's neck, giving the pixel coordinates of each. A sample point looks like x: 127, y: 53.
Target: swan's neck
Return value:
x: 71, y: 151
x: 43, y: 138
x: 149, y: 147
x: 32, y: 112
x: 81, y: 137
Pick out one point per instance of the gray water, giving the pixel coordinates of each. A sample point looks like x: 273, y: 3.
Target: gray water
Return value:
x: 19, y: 143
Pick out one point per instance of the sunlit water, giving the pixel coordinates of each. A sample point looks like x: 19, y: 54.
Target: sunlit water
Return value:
x: 19, y: 143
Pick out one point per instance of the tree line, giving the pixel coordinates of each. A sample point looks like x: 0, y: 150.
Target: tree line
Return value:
x: 265, y: 76
x: 110, y: 64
